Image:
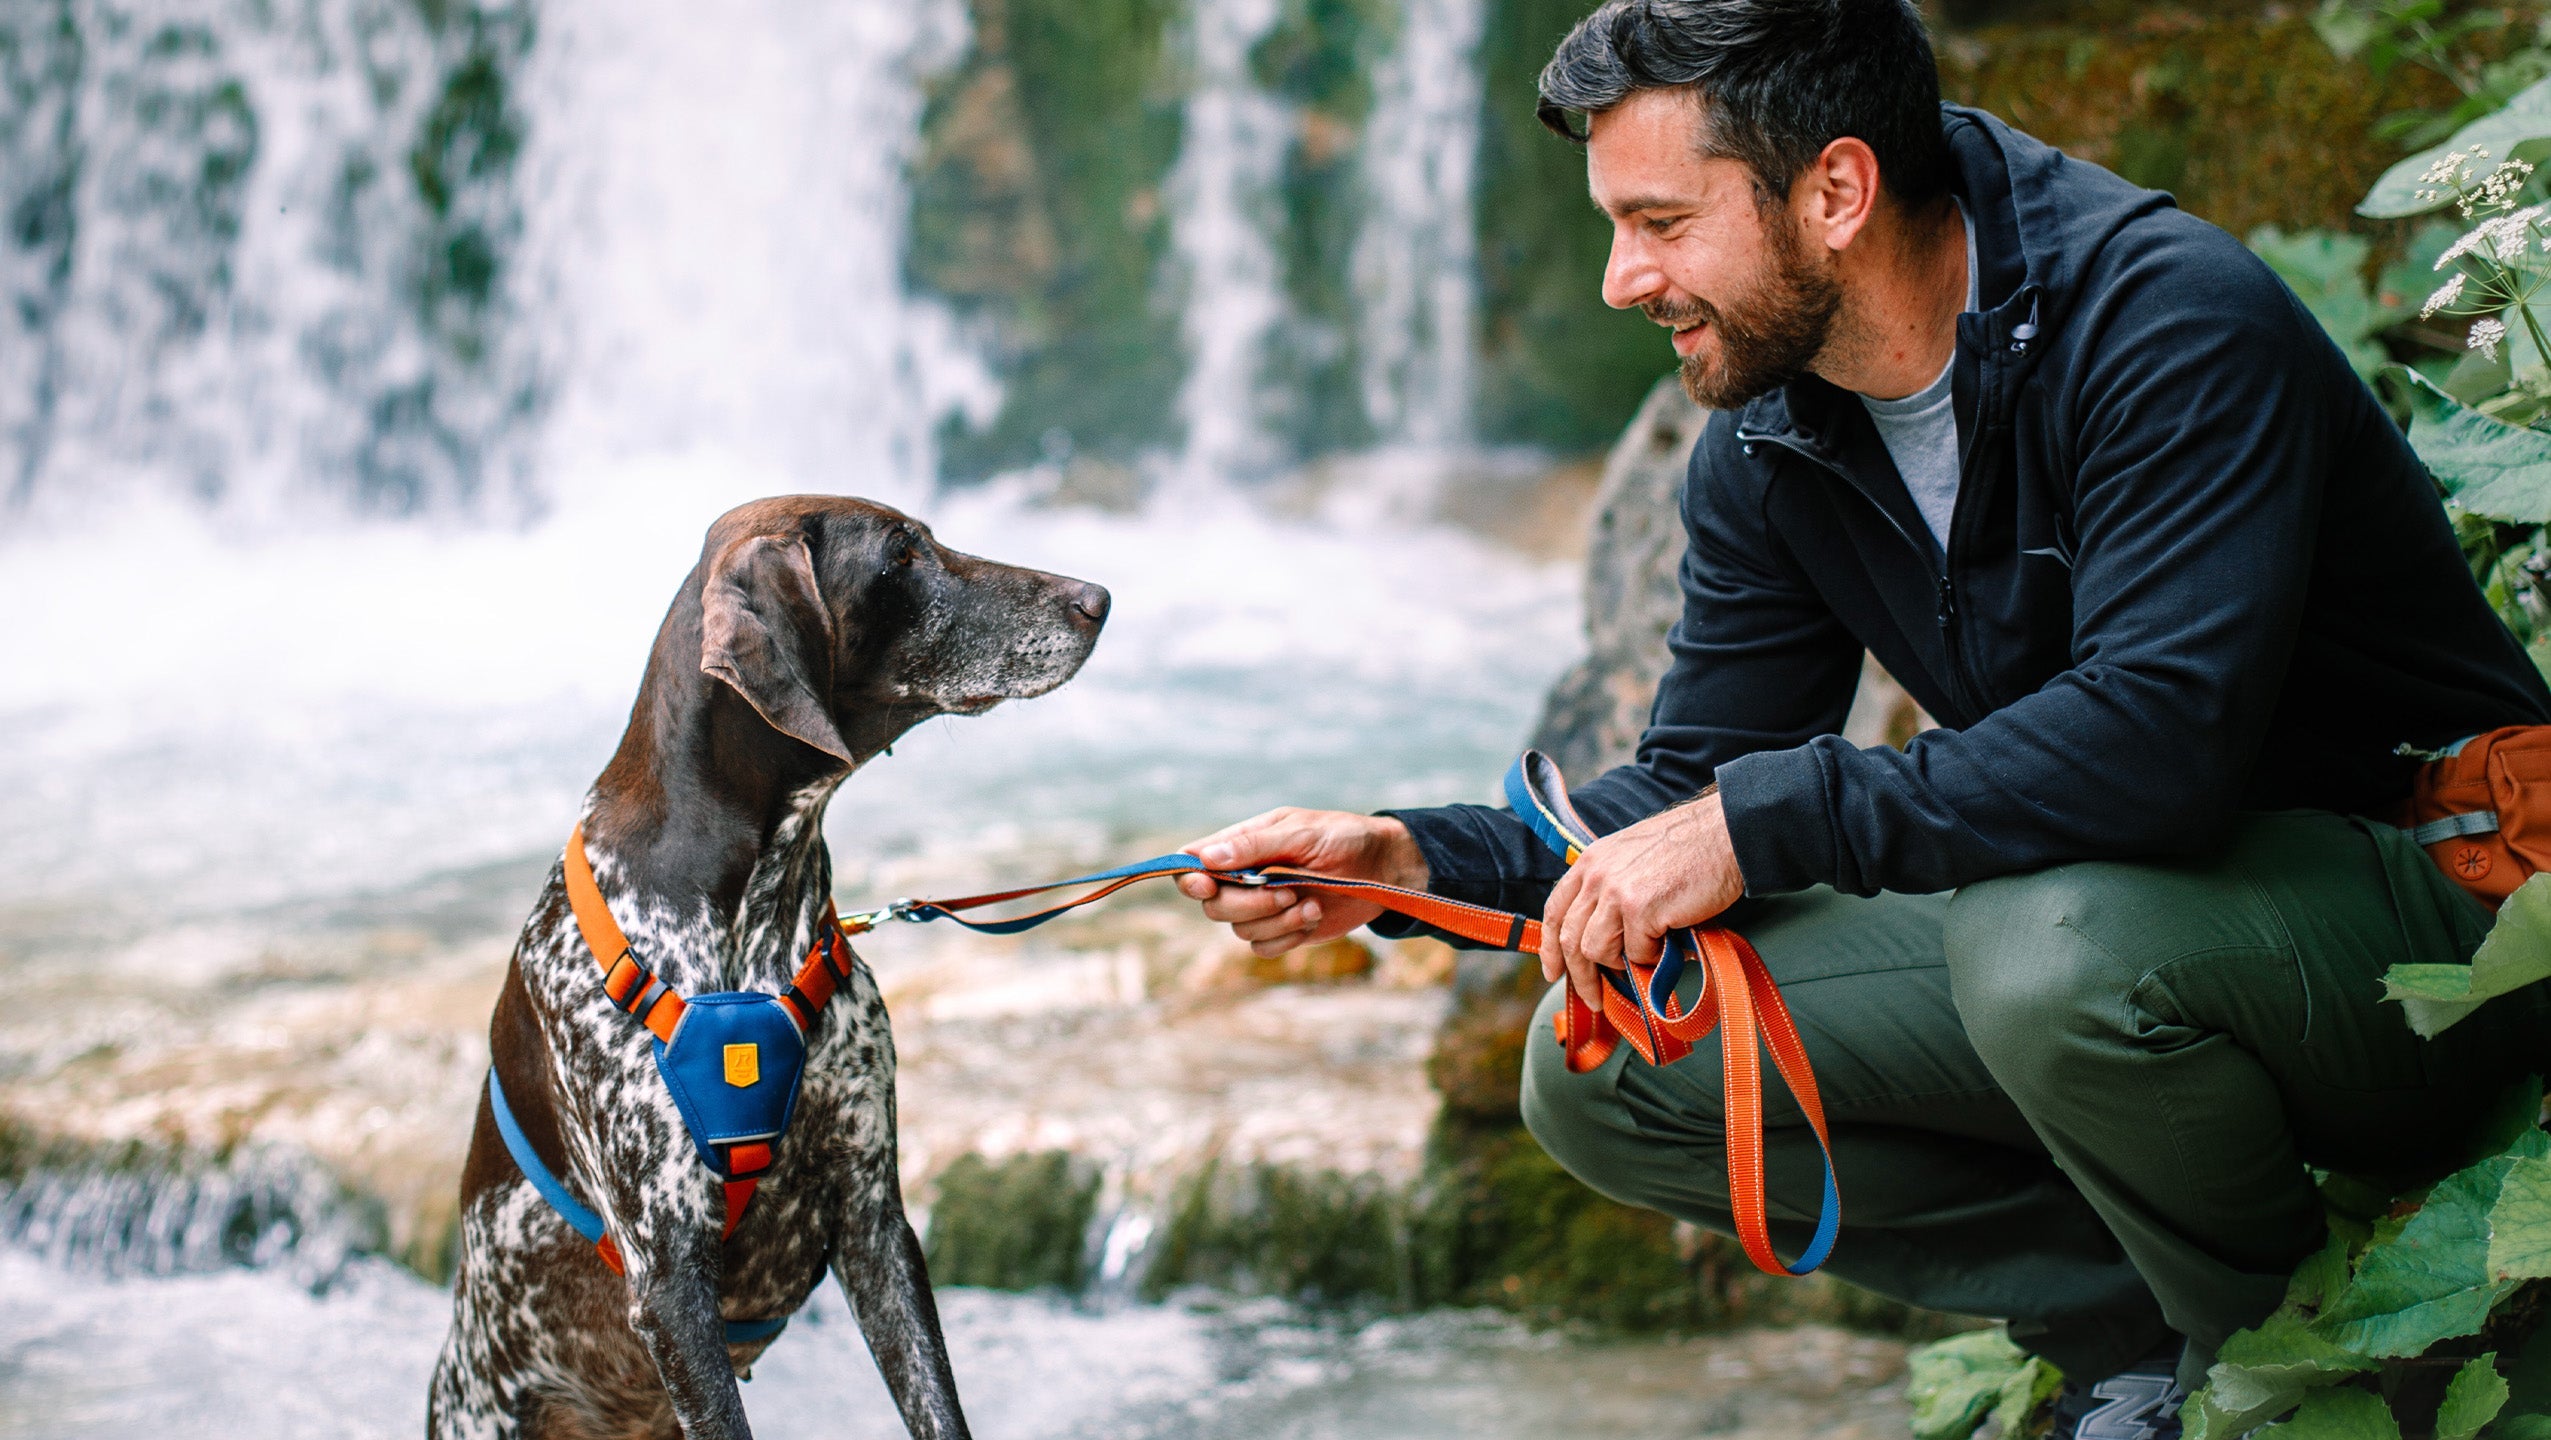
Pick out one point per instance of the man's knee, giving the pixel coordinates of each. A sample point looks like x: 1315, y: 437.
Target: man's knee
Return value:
x: 2032, y: 968
x: 1579, y: 1119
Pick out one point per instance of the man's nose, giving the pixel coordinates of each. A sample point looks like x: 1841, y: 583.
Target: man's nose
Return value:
x: 1630, y: 274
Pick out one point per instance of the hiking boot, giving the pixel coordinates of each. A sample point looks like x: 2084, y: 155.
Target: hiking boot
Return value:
x: 2140, y: 1402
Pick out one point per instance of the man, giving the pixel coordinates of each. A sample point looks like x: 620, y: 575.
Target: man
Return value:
x: 2089, y: 974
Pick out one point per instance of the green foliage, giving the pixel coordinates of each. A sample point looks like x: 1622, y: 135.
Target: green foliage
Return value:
x: 2519, y: 131
x: 2517, y: 953
x: 1960, y: 1383
x: 2474, y: 1398
x: 1017, y: 1224
x: 2492, y: 469
x: 2432, y: 1282
x: 2327, y: 272
x: 1263, y: 1229
x: 2342, y: 1415
x: 2427, y: 33
x: 2520, y: 1223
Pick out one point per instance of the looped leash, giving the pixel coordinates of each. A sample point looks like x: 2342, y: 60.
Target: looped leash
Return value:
x: 1641, y: 1007
x: 1737, y: 992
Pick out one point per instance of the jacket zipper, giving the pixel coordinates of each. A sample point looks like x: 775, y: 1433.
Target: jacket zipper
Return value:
x: 1946, y: 590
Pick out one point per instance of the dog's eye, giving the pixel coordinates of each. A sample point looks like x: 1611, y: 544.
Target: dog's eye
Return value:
x: 902, y: 548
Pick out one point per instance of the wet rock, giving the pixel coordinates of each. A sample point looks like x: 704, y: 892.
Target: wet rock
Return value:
x: 1592, y: 717
x: 1417, y: 963
x: 1018, y: 1223
x: 1230, y: 966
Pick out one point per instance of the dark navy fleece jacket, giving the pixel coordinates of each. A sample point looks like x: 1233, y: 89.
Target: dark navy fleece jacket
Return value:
x: 2194, y: 569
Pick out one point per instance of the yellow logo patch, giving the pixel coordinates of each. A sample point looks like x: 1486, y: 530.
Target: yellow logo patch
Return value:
x: 743, y: 1065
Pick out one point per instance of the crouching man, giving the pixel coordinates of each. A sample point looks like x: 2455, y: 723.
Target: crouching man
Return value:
x: 2090, y: 974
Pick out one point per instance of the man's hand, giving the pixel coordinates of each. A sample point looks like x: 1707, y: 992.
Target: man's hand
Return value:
x: 1632, y: 888
x: 1334, y: 842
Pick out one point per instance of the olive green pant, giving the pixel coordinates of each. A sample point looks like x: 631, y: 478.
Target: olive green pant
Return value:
x: 2083, y: 1099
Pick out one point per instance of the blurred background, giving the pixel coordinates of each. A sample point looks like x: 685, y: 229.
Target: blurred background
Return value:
x: 369, y: 370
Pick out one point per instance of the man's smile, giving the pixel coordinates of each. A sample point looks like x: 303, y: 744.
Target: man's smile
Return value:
x: 1687, y: 338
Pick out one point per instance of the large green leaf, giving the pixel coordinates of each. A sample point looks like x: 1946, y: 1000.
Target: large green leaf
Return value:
x: 2342, y: 1415
x: 2261, y: 1373
x: 2527, y: 117
x: 2516, y: 953
x: 2490, y: 467
x: 1955, y: 1382
x: 2475, y: 1397
x: 2520, y: 1223
x: 2432, y: 1281
x: 2326, y: 271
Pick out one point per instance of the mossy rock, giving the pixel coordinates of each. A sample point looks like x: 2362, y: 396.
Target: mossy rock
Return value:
x: 1320, y: 1237
x: 1020, y: 1223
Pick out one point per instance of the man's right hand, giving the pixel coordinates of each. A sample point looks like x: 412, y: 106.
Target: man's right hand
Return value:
x: 1275, y: 919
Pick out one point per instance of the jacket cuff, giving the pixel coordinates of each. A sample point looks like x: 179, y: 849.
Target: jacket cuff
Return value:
x: 1478, y: 855
x: 1779, y: 819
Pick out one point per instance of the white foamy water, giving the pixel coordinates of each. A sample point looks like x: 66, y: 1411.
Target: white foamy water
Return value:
x: 245, y: 1354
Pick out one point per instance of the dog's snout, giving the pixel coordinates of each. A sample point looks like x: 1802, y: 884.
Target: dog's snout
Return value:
x: 1089, y: 602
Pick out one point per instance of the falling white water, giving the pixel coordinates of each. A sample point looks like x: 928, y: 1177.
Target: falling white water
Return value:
x: 717, y: 207
x: 1224, y: 208
x: 1415, y: 255
x: 217, y: 255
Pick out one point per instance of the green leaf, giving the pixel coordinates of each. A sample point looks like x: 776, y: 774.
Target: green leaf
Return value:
x: 2031, y: 1387
x: 1956, y: 1381
x: 2432, y: 1281
x: 2261, y: 1373
x: 2342, y: 1415
x: 2516, y: 953
x: 2523, y: 1427
x: 2488, y: 466
x: 2520, y: 1223
x: 2475, y: 1397
x: 2527, y: 117
x: 2326, y: 271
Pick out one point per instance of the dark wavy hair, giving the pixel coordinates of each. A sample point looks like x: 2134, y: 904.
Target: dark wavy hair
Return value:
x: 1777, y: 81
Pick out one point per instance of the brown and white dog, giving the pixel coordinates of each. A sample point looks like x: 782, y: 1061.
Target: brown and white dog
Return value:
x: 812, y: 633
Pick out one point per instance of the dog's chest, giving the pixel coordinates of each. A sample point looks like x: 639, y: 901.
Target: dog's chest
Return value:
x: 621, y: 1122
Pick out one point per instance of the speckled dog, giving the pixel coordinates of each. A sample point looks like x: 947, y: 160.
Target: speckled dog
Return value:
x: 813, y: 631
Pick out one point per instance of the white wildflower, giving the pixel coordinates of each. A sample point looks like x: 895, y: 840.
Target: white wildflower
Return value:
x: 2503, y: 183
x: 2486, y: 335
x: 2445, y: 295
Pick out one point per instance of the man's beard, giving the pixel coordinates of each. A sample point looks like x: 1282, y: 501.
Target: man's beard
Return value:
x: 1764, y: 339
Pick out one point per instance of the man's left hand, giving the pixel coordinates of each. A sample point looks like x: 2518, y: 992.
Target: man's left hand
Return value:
x: 1632, y: 888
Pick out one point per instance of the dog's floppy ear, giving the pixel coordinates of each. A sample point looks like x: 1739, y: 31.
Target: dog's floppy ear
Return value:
x: 764, y: 629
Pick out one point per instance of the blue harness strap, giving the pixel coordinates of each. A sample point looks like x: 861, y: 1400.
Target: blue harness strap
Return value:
x: 581, y: 1217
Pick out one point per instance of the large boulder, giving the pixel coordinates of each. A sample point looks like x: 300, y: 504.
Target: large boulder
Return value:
x: 1592, y: 717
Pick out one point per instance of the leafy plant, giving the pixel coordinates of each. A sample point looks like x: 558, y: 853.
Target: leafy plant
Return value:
x: 2431, y: 35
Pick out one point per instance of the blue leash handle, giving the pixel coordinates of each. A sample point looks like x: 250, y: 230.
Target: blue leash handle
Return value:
x: 575, y: 1212
x: 1540, y: 799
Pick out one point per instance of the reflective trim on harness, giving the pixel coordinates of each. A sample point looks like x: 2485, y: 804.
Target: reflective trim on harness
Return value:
x: 2454, y: 827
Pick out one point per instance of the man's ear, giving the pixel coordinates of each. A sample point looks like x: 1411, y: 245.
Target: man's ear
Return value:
x: 764, y: 629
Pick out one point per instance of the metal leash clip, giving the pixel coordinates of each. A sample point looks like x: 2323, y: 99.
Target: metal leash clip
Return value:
x: 863, y: 921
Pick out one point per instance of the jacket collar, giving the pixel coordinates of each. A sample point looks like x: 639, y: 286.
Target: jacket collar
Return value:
x: 2038, y: 216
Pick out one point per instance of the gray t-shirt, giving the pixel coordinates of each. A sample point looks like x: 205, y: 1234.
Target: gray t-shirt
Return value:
x: 1921, y: 430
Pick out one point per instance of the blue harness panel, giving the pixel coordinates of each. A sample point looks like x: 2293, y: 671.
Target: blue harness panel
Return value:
x: 733, y: 1068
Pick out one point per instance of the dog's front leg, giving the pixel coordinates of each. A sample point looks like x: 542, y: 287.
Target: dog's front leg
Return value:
x: 673, y: 1307
x: 878, y: 1261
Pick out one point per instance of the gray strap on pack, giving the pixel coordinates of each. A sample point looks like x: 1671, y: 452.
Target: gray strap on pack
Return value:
x: 2454, y: 827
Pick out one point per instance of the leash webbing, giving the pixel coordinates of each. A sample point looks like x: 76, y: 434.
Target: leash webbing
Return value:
x: 1737, y: 992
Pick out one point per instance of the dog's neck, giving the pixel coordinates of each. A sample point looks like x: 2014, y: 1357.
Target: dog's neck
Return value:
x: 705, y: 807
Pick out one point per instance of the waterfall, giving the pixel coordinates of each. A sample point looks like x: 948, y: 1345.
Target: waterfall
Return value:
x: 717, y: 222
x: 1415, y: 256
x: 256, y: 245
x: 142, y: 1210
x: 1224, y: 215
